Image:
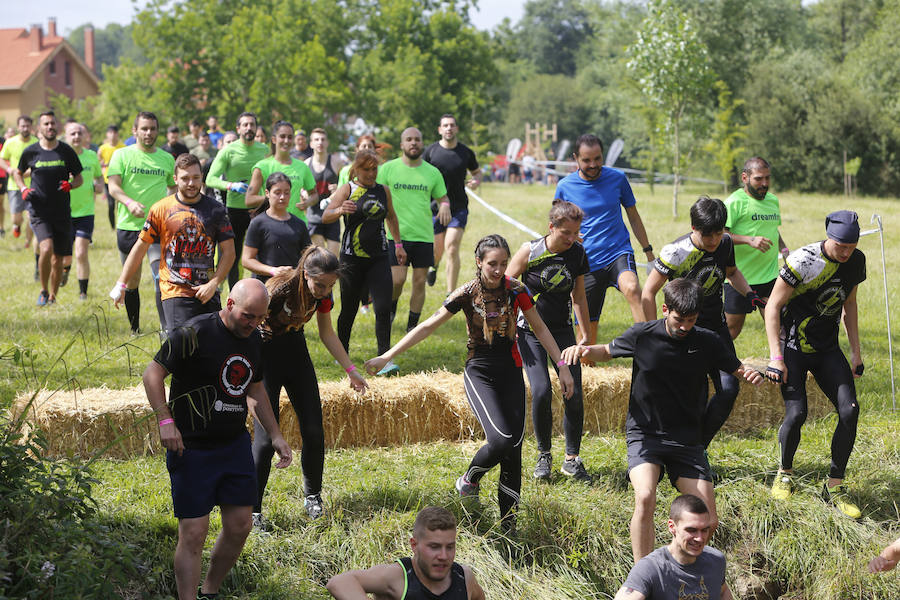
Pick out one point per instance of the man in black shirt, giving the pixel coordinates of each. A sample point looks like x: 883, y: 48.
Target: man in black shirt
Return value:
x: 55, y: 170
x: 216, y: 366
x: 455, y: 161
x: 173, y: 145
x: 667, y: 402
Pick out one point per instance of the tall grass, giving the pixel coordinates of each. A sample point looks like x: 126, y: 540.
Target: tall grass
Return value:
x: 573, y: 540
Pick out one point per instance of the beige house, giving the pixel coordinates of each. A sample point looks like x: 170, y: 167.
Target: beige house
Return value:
x: 33, y: 65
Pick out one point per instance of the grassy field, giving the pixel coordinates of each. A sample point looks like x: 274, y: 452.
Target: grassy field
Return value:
x: 573, y: 540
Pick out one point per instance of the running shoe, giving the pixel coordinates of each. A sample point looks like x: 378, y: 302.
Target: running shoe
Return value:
x: 37, y: 275
x: 43, y: 298
x: 466, y: 489
x: 839, y: 497
x: 431, y: 277
x: 17, y: 231
x: 259, y: 523
x: 364, y: 309
x: 82, y: 296
x: 313, y: 505
x: 508, y: 527
x: 542, y: 468
x: 206, y: 595
x: 2, y: 232
x: 574, y: 468
x: 783, y: 486
x: 65, y: 278
x: 390, y: 370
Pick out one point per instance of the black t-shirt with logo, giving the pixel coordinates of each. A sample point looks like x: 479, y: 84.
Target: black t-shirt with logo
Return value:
x: 48, y: 169
x: 668, y: 379
x: 550, y: 278
x: 454, y: 164
x: 812, y: 315
x: 211, y: 371
x: 682, y: 258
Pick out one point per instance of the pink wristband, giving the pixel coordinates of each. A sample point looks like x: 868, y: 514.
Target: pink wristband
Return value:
x: 561, y: 363
x: 350, y: 369
x: 398, y: 244
x: 166, y: 422
x: 781, y: 358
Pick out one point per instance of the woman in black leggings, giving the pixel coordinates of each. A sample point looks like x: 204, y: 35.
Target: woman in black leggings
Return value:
x: 295, y: 296
x: 553, y: 269
x: 493, y: 373
x: 367, y: 208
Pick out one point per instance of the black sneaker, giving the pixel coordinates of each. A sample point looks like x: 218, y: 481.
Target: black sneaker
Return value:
x: 314, y: 507
x: 574, y: 468
x: 206, y: 595
x: 65, y: 277
x: 543, y: 466
x: 431, y: 277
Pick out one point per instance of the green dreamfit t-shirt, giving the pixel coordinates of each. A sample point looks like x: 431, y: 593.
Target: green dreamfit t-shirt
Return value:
x: 235, y: 163
x: 82, y: 197
x: 145, y: 179
x: 412, y: 189
x: 749, y: 216
x: 12, y: 152
x: 298, y: 172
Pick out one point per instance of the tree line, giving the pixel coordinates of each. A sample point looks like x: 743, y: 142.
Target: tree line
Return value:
x: 693, y: 87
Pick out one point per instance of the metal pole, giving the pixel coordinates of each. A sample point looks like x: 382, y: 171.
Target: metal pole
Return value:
x: 887, y: 309
x: 876, y: 218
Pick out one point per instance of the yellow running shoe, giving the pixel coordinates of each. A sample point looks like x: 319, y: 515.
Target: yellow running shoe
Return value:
x: 839, y: 497
x: 783, y: 486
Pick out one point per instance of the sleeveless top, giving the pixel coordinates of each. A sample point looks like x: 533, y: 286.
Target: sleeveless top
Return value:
x: 364, y: 229
x: 414, y: 590
x: 323, y: 178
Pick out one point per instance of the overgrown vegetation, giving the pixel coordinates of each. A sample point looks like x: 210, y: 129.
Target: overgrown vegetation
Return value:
x: 573, y: 540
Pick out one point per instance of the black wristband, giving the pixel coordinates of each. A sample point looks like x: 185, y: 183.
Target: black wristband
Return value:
x: 649, y: 248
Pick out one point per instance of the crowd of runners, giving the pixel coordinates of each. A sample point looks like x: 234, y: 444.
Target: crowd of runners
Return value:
x: 205, y: 206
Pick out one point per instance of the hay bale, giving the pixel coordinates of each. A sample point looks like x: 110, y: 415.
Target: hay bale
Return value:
x: 420, y: 407
x: 83, y: 422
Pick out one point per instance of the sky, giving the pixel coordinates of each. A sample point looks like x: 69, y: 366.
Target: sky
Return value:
x: 69, y: 14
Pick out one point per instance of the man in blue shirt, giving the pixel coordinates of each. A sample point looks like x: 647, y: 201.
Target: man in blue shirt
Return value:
x: 601, y: 192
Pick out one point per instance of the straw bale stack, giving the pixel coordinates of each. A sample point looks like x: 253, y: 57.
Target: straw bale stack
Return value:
x: 83, y: 422
x: 420, y: 407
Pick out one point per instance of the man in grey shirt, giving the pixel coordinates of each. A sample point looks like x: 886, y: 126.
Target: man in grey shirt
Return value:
x: 686, y: 568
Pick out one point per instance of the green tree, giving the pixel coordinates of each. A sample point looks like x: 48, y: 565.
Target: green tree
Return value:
x: 671, y: 65
x: 113, y: 45
x: 552, y: 35
x: 725, y: 145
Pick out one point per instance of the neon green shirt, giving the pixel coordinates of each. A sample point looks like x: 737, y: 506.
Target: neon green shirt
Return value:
x: 235, y: 163
x: 749, y: 216
x: 298, y: 172
x: 82, y: 198
x: 145, y: 179
x: 344, y: 175
x: 412, y: 189
x: 12, y: 152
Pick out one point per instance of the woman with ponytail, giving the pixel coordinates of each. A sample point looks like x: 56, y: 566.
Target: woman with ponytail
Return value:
x: 296, y: 294
x: 303, y: 184
x: 493, y: 373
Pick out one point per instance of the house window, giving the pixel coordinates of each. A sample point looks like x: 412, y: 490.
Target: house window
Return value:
x: 52, y: 67
x: 68, y: 67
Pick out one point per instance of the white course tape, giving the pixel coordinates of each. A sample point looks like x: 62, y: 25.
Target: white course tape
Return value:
x: 504, y: 216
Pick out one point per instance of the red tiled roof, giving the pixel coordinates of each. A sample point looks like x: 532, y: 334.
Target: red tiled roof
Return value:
x: 19, y: 62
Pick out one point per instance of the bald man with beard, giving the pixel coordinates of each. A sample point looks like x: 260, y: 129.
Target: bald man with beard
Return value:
x: 414, y: 184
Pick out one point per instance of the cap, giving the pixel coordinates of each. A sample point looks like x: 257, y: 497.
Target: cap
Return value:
x: 843, y: 226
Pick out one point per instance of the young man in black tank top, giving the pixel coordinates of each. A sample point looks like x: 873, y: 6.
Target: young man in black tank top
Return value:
x: 325, y: 168
x: 431, y: 573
